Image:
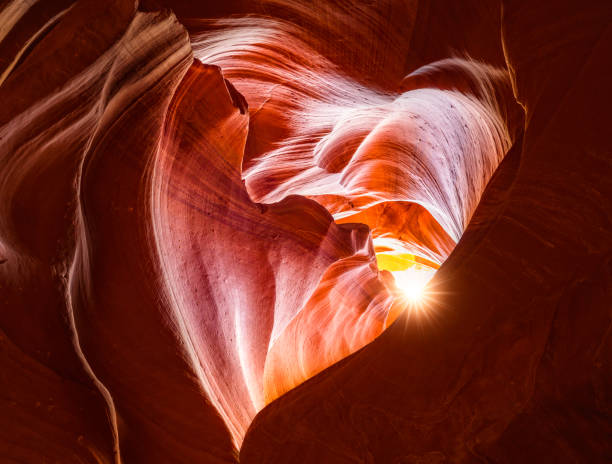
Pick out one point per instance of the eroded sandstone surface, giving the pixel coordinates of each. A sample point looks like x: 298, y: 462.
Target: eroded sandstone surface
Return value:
x: 208, y: 213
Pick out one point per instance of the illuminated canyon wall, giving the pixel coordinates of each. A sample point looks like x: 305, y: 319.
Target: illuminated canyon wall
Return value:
x: 291, y: 232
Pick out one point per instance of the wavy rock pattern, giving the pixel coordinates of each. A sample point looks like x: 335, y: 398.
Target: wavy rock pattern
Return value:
x: 198, y: 217
x: 412, y: 166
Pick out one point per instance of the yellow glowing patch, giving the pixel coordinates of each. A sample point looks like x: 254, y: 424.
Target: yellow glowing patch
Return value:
x: 392, y: 262
x: 411, y: 273
x: 399, y: 262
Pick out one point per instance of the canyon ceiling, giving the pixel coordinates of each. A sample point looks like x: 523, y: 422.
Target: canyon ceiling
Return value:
x: 290, y: 231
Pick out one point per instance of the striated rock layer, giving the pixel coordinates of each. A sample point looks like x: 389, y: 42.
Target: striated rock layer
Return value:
x: 201, y: 217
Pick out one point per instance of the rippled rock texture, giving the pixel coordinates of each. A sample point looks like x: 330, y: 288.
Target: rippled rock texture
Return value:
x: 208, y: 213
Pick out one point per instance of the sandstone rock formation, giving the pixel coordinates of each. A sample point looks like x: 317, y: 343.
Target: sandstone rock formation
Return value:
x: 207, y: 214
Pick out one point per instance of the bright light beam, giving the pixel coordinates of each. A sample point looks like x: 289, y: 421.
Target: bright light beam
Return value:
x: 412, y: 282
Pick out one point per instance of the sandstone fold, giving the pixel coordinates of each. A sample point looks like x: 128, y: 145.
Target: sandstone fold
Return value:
x: 509, y: 363
x: 212, y: 214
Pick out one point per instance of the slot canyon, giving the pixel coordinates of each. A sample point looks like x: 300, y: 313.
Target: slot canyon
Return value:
x: 305, y: 231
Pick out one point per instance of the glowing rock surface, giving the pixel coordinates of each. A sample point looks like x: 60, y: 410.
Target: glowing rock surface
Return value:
x: 280, y: 232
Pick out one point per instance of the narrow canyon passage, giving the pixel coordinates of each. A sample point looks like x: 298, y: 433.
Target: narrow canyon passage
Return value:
x: 276, y: 231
